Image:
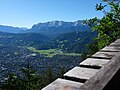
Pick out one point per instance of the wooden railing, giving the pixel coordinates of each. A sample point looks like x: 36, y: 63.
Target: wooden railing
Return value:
x: 93, y: 73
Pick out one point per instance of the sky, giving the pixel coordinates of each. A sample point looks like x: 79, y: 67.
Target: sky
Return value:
x: 25, y: 13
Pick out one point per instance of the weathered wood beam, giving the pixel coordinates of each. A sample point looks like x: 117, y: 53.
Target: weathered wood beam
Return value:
x: 103, y: 76
x: 94, y: 63
x: 93, y: 73
x: 62, y: 84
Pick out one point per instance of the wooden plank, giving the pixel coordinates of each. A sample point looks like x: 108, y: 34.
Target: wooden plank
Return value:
x: 103, y: 76
x: 81, y: 73
x: 117, y: 41
x: 115, y: 44
x: 112, y: 49
x: 94, y: 62
x: 96, y: 79
x: 62, y: 84
x: 106, y: 55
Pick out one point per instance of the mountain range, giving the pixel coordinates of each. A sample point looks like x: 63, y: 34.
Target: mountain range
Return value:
x: 56, y: 28
x: 11, y: 29
x: 50, y: 29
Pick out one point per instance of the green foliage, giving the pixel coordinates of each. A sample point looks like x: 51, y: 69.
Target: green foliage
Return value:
x: 11, y: 82
x: 49, y: 77
x: 100, y: 6
x: 74, y: 42
x: 29, y: 78
x: 61, y: 72
x: 93, y: 48
x: 84, y: 56
x: 52, y: 52
x: 111, y: 0
x: 48, y: 52
x: 108, y: 27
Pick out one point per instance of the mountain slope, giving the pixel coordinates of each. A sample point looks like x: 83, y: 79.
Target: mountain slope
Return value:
x: 11, y: 29
x: 73, y: 42
x: 22, y: 39
x: 56, y: 28
x: 50, y: 29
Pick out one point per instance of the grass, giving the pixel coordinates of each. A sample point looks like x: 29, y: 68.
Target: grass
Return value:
x: 51, y: 52
x: 72, y: 54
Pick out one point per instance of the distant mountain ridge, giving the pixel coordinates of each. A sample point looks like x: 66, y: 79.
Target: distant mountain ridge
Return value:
x: 50, y: 29
x: 59, y: 27
x: 57, y: 23
x: 11, y: 29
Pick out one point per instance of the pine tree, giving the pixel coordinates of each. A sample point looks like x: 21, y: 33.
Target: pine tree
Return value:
x: 11, y: 82
x: 30, y: 80
x: 49, y: 77
x: 61, y: 72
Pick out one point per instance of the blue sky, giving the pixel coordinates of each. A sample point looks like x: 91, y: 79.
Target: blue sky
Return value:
x: 25, y: 13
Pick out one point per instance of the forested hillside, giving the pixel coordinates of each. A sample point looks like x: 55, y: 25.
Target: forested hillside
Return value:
x: 22, y: 39
x: 74, y: 42
x: 41, y: 52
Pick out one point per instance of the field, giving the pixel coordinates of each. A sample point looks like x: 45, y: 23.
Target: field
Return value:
x: 51, y: 52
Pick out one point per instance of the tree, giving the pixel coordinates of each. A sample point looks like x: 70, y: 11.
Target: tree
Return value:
x: 61, y: 72
x: 30, y: 80
x: 10, y: 82
x: 49, y: 77
x: 27, y: 80
x: 111, y: 0
x: 108, y: 27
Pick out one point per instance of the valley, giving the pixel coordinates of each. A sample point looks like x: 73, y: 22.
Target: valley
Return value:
x: 53, y: 47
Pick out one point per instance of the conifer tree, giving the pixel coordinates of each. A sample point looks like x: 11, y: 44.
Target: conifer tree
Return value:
x: 11, y: 82
x: 30, y: 79
x: 49, y: 77
x: 61, y: 72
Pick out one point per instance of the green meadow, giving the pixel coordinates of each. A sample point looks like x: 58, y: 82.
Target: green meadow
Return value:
x: 52, y: 52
